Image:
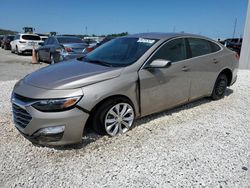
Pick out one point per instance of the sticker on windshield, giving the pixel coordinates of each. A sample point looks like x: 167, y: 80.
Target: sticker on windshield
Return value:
x: 149, y: 41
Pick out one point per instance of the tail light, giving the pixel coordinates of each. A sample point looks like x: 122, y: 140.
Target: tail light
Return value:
x: 67, y: 49
x: 89, y: 49
x: 22, y: 41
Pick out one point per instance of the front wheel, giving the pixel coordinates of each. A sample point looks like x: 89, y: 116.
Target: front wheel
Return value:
x: 114, y: 117
x: 17, y: 51
x: 220, y: 87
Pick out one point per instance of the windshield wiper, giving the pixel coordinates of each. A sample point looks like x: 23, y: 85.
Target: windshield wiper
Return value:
x: 99, y: 62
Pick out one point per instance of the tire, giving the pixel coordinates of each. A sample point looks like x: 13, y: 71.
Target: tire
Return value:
x: 220, y: 87
x: 5, y: 47
x: 17, y: 51
x: 52, y: 60
x: 38, y: 57
x: 12, y: 51
x: 106, y: 120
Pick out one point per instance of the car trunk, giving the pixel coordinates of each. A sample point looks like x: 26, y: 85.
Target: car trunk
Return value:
x: 75, y: 47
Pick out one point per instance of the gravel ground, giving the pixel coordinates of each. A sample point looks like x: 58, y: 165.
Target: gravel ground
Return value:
x: 203, y: 144
x: 14, y: 66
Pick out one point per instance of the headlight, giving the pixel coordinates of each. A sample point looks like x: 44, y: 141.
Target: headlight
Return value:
x: 55, y: 105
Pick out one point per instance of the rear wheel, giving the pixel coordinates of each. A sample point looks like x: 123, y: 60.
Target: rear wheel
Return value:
x: 52, y: 60
x: 220, y: 87
x: 38, y: 57
x: 113, y: 117
x: 17, y: 51
x: 11, y: 49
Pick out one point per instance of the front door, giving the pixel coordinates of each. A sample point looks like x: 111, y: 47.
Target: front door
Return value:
x: 162, y: 88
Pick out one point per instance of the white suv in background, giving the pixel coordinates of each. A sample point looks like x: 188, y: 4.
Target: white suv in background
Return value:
x: 24, y: 43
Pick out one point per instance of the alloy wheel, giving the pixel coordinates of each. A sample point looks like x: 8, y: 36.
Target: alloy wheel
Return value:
x: 221, y: 87
x: 119, y: 119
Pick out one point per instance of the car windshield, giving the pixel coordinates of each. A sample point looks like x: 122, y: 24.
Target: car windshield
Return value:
x: 120, y: 52
x: 64, y: 40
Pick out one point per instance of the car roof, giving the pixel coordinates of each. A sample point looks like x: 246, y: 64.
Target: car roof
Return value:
x: 163, y: 35
x: 27, y: 34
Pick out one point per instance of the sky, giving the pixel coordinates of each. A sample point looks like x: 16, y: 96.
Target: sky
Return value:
x: 212, y: 18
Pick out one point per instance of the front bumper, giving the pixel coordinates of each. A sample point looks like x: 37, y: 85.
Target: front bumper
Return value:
x: 73, y: 121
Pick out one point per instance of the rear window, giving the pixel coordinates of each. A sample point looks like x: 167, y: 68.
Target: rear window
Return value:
x: 31, y: 37
x: 65, y: 40
x: 214, y: 47
x: 199, y: 46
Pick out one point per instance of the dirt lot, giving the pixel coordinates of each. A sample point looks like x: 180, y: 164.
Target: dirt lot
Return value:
x: 203, y: 144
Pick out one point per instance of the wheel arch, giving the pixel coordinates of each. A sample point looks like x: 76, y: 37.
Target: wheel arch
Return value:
x: 229, y: 75
x: 121, y: 97
x: 118, y: 97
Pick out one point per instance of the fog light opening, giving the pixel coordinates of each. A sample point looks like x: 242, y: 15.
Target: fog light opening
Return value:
x: 50, y: 134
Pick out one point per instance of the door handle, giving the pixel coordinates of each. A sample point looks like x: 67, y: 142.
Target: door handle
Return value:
x: 185, y: 69
x: 215, y: 61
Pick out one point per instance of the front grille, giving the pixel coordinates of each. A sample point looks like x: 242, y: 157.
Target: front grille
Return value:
x: 21, y: 116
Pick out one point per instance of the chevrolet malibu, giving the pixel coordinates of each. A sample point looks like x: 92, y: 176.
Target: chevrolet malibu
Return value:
x: 122, y: 80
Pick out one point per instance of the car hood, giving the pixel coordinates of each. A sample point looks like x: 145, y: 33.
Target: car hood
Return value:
x: 70, y: 75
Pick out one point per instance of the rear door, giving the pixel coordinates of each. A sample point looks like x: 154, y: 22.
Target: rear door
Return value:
x: 47, y: 48
x: 41, y: 50
x: 162, y: 88
x: 204, y: 67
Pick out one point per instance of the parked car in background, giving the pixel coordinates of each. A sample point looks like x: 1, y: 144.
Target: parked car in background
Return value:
x: 6, y: 41
x: 125, y: 78
x: 1, y: 38
x: 60, y: 48
x: 43, y: 38
x: 234, y: 44
x: 90, y: 42
x: 24, y: 43
x: 96, y: 45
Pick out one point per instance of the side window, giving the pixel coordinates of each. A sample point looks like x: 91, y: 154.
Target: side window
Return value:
x: 215, y: 47
x: 175, y: 50
x: 199, y: 47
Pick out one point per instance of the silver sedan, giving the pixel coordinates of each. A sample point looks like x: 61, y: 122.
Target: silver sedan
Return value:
x: 122, y: 80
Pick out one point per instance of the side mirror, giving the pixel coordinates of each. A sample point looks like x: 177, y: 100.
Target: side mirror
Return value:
x: 160, y: 63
